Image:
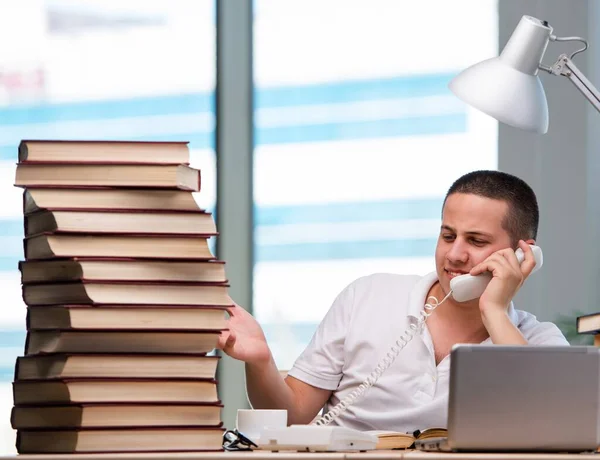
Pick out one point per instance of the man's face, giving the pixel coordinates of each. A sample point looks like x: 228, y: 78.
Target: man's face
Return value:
x: 471, y: 231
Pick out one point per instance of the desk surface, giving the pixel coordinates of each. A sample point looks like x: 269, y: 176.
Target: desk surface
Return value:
x: 256, y: 455
x: 416, y: 455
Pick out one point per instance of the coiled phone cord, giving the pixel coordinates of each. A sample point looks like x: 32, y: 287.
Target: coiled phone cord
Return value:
x: 384, y: 364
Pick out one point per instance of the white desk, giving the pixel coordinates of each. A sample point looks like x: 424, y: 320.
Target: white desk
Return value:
x: 267, y: 455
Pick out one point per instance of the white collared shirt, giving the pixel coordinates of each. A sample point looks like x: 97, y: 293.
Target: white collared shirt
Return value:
x: 363, y: 323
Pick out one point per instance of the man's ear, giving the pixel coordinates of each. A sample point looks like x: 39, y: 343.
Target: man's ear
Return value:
x: 530, y: 241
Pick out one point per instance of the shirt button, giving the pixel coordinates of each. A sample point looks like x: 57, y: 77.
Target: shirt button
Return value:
x: 434, y: 378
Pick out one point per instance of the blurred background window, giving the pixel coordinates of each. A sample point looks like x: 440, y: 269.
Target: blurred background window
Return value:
x: 95, y: 69
x: 357, y: 140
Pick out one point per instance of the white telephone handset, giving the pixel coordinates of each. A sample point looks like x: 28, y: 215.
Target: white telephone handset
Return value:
x: 318, y: 437
x: 467, y: 287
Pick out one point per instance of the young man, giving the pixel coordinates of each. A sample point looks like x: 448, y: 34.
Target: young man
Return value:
x: 486, y: 216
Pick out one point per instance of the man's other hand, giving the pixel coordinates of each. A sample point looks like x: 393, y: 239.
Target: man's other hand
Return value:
x: 245, y: 339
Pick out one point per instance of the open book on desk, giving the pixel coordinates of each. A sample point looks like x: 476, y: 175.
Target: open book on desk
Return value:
x: 399, y: 440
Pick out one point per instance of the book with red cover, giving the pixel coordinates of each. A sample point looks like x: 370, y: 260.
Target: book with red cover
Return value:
x: 127, y: 317
x: 121, y: 270
x: 116, y: 415
x: 95, y: 390
x: 178, y: 439
x: 124, y: 342
x: 108, y: 175
x: 107, y: 292
x: 90, y: 151
x: 69, y: 245
x: 121, y: 222
x: 36, y: 199
x: 53, y: 366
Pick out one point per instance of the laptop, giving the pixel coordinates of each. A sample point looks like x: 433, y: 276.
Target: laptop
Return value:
x: 521, y: 398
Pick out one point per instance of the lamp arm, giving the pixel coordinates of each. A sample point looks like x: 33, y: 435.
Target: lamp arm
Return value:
x: 564, y: 66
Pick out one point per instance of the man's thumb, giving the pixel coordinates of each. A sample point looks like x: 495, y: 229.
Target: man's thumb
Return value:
x: 229, y: 342
x: 226, y: 340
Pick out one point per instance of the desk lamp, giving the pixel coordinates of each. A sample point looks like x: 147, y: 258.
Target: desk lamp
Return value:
x: 508, y: 88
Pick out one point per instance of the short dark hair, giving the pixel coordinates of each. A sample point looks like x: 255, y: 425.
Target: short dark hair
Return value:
x: 523, y: 216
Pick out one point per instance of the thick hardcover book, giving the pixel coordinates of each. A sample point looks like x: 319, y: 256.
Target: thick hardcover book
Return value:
x: 141, y: 366
x: 37, y: 199
x: 78, y: 151
x: 589, y: 324
x: 55, y: 392
x: 54, y: 246
x: 43, y: 175
x: 121, y: 270
x: 99, y: 341
x: 180, y: 439
x: 115, y: 415
x: 97, y: 292
x: 120, y: 222
x: 124, y: 317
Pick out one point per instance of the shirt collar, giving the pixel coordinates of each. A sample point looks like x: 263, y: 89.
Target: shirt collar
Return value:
x: 418, y: 294
x: 418, y: 297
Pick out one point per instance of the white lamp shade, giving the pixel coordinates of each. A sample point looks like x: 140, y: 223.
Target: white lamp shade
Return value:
x: 509, y: 95
x: 508, y: 87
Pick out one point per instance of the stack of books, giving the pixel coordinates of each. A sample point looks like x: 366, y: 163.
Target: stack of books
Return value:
x: 124, y: 301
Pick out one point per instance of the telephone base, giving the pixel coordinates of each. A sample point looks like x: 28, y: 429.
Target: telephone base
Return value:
x: 314, y: 438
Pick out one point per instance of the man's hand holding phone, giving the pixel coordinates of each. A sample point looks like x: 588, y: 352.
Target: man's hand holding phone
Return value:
x: 507, y: 277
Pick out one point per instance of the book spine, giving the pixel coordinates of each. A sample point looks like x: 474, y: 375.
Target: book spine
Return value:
x: 22, y: 151
x: 24, y: 200
x: 27, y: 343
x: 19, y: 442
x: 17, y: 368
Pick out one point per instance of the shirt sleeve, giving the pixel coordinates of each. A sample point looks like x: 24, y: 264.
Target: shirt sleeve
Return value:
x: 321, y: 363
x: 545, y: 333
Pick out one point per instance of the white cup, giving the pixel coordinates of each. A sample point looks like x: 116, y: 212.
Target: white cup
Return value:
x: 251, y: 422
